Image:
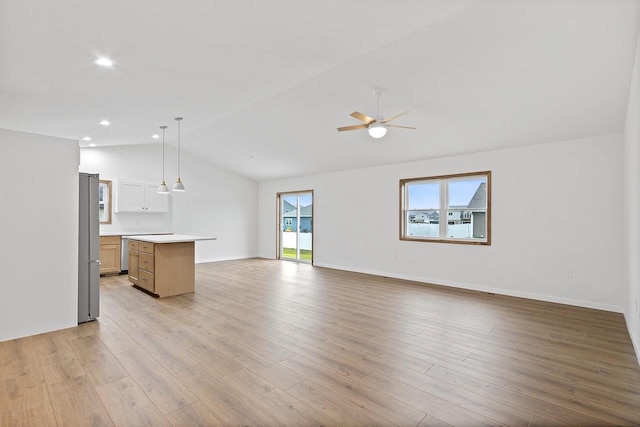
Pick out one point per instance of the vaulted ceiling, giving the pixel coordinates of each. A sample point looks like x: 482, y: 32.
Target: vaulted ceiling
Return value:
x: 262, y: 85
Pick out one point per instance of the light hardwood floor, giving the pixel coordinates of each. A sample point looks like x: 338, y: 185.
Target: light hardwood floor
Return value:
x: 275, y: 343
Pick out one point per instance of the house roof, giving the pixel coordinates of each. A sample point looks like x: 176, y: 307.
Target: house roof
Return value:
x: 291, y: 211
x: 262, y: 86
x: 479, y: 199
x: 288, y: 208
x: 306, y: 210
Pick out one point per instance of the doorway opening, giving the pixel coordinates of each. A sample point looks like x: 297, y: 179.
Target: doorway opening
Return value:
x: 295, y: 226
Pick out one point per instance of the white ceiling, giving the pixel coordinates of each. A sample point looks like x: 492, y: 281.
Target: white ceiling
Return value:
x: 262, y: 85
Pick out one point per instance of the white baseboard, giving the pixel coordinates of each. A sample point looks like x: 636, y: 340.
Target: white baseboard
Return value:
x: 205, y: 260
x: 480, y: 288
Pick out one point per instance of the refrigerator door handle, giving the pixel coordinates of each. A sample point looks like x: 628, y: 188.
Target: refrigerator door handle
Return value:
x: 96, y: 260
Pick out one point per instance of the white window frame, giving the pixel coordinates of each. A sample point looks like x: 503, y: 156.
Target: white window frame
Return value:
x: 444, y: 209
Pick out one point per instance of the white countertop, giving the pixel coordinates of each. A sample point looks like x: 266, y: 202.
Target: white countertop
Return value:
x: 169, y: 238
x: 127, y: 234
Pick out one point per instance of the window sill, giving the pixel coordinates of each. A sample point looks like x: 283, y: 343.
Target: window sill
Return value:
x: 454, y: 241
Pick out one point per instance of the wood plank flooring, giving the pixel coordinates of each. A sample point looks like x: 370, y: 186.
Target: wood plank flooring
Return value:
x: 266, y: 343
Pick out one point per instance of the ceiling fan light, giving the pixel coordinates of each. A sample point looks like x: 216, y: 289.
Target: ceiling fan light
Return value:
x: 377, y: 130
x: 104, y: 62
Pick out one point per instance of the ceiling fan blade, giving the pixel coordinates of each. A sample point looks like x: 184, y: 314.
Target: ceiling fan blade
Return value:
x: 404, y: 127
x: 354, y: 127
x: 394, y: 117
x: 363, y: 117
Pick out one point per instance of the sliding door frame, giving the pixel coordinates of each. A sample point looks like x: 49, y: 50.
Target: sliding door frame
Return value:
x: 279, y: 223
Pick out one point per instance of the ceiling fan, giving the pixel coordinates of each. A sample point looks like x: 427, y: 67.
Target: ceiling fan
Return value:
x: 377, y: 127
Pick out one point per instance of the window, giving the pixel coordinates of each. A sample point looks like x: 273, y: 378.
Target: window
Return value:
x: 462, y: 200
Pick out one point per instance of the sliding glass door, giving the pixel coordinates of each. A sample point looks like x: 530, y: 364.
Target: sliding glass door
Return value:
x: 295, y: 226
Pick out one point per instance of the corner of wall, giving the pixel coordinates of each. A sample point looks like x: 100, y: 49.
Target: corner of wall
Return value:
x: 632, y: 205
x: 634, y: 339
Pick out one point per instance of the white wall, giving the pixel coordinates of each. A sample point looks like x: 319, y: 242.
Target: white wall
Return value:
x: 138, y: 162
x: 39, y: 251
x: 217, y: 203
x: 632, y: 208
x: 554, y: 206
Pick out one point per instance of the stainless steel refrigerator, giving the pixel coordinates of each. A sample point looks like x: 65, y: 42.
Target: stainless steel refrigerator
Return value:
x: 88, y: 249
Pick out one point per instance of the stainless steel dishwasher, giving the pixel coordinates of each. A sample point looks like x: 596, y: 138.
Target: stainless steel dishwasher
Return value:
x: 124, y: 256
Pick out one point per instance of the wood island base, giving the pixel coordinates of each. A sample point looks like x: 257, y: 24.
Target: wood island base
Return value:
x: 162, y: 269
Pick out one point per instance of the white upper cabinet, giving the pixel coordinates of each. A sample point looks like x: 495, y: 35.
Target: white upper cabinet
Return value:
x: 137, y: 196
x: 154, y: 201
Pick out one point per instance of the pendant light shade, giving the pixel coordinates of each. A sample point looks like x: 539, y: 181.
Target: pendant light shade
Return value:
x: 178, y: 186
x: 163, y: 189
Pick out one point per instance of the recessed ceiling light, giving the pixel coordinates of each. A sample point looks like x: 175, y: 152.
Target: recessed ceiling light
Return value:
x: 86, y: 138
x: 104, y: 62
x: 105, y: 123
x: 155, y: 136
x: 92, y: 145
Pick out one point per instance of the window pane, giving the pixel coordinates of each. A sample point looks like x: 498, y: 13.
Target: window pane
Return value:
x: 468, y: 193
x: 289, y: 205
x: 459, y: 230
x: 466, y: 224
x: 423, y: 224
x: 479, y: 225
x: 463, y: 216
x: 306, y: 212
x: 423, y: 195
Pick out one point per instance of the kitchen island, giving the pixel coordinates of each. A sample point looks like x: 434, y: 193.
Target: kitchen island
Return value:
x: 163, y: 265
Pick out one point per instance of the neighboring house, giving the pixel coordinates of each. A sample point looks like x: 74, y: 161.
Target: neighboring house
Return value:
x: 290, y: 217
x: 478, y: 219
x: 429, y: 217
x: 458, y: 217
x: 472, y: 215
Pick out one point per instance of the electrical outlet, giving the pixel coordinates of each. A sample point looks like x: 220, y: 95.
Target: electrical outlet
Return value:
x: 568, y: 273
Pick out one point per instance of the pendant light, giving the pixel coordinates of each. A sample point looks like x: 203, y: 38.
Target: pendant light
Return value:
x: 163, y: 189
x: 178, y: 186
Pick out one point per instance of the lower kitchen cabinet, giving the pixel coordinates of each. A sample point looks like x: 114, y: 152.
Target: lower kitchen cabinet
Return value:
x: 163, y: 269
x: 133, y: 267
x: 110, y: 250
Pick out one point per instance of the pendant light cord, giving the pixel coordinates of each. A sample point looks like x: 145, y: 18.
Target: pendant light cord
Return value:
x: 163, y: 128
x: 178, y: 186
x: 179, y: 120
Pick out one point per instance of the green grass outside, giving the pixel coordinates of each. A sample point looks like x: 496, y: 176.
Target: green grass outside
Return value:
x: 291, y: 253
